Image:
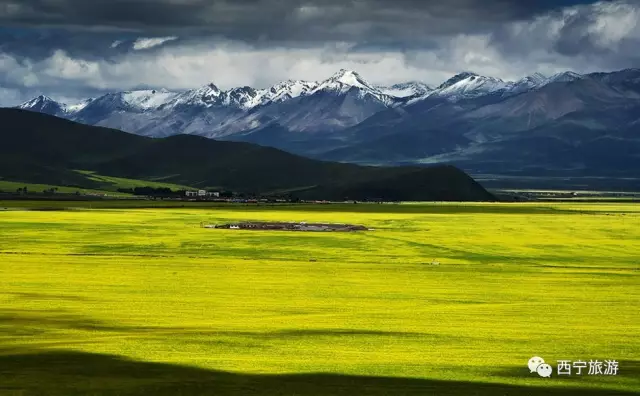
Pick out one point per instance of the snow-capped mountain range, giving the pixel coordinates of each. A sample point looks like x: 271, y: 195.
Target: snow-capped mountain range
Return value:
x: 480, y: 123
x: 463, y: 85
x: 341, y: 101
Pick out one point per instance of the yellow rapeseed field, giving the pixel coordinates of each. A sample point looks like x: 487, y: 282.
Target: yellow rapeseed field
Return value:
x: 92, y: 299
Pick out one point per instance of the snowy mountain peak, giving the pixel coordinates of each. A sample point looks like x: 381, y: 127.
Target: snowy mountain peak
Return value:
x: 345, y: 81
x: 533, y: 80
x: 245, y: 88
x: 470, y: 85
x: 45, y: 98
x: 287, y: 90
x: 527, y: 83
x: 147, y: 99
x: 538, y: 76
x: 292, y: 85
x: 39, y: 100
x: 244, y: 97
x: 457, y: 78
x: 343, y: 72
x: 213, y: 87
x: 415, y: 84
x: 405, y: 90
x: 350, y: 78
x: 43, y: 104
x: 567, y: 76
x: 201, y: 97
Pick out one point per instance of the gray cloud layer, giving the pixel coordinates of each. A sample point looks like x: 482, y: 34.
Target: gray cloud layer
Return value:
x: 266, y: 20
x: 92, y: 47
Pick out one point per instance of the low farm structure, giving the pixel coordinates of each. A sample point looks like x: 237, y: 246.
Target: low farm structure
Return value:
x: 290, y: 226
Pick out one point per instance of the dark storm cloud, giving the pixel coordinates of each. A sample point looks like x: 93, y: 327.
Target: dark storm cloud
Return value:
x: 37, y: 44
x: 606, y: 35
x: 576, y: 38
x: 277, y: 20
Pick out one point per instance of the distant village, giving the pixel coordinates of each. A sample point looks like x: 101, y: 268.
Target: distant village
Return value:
x: 204, y: 195
x: 148, y: 193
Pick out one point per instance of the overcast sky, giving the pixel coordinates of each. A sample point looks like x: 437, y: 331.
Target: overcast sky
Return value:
x: 72, y: 49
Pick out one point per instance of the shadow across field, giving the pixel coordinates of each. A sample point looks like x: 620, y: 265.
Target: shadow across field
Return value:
x: 44, y: 296
x: 27, y: 368
x: 16, y: 322
x: 75, y: 373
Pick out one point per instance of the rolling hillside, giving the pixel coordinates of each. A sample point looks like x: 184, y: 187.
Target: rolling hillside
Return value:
x: 40, y: 148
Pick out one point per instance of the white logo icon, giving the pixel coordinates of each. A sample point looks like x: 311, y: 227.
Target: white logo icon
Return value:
x: 544, y: 370
x: 537, y: 365
x: 534, y: 362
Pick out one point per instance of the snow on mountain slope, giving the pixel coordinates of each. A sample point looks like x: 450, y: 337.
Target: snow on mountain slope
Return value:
x: 74, y: 108
x: 533, y: 80
x: 593, y: 104
x: 36, y: 102
x: 44, y: 104
x: 405, y: 90
x: 528, y: 83
x: 247, y: 98
x: 148, y: 99
x: 287, y: 90
x: 564, y: 77
x: 242, y: 97
x: 341, y: 101
x: 301, y: 106
x: 469, y: 85
x: 206, y: 96
x: 95, y: 111
x: 345, y: 80
x: 461, y: 86
x: 322, y: 111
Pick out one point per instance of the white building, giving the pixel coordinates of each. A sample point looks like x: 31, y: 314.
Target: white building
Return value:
x: 201, y: 194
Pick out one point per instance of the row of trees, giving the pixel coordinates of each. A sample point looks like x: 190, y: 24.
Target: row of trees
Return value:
x: 46, y: 191
x: 160, y: 192
x: 25, y: 190
x: 165, y: 192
